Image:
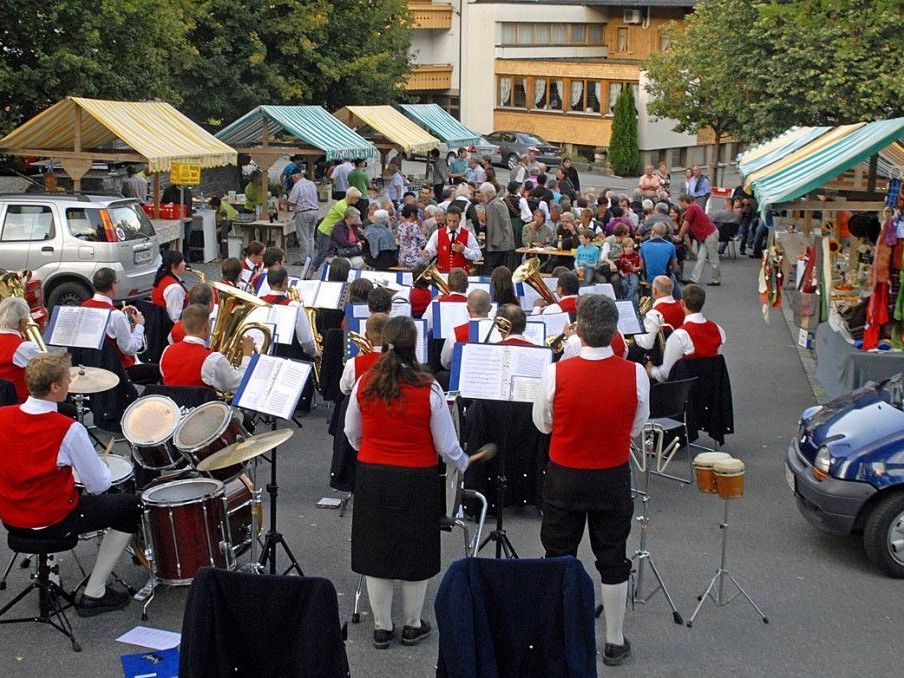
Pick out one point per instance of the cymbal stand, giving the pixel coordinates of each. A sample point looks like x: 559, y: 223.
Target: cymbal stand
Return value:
x: 273, y: 537
x: 720, y: 599
x: 80, y: 400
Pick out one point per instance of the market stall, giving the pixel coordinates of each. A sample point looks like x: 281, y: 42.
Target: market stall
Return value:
x: 387, y: 129
x: 435, y: 119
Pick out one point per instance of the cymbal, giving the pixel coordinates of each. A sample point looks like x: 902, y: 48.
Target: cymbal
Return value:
x: 91, y: 380
x: 242, y: 451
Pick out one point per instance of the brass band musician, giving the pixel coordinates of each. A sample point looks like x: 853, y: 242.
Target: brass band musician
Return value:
x: 15, y: 351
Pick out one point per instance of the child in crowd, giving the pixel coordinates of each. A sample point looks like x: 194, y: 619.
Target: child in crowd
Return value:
x: 629, y: 264
x: 586, y: 257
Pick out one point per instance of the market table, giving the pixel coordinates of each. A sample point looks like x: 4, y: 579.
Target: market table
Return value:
x: 546, y: 251
x: 275, y: 231
x: 841, y: 368
x: 170, y: 231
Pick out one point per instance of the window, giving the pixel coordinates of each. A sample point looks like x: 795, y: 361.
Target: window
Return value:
x: 556, y: 92
x: 578, y: 34
x: 595, y: 34
x: 519, y: 95
x: 509, y: 34
x: 525, y: 34
x: 505, y: 91
x: 114, y: 224
x: 539, y: 93
x: 545, y: 34
x: 541, y: 34
x: 557, y: 33
x: 585, y: 96
x: 616, y: 87
x: 622, y: 39
x: 664, y: 41
x: 28, y: 222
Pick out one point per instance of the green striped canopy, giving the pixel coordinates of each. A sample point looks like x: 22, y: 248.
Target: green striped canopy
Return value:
x: 312, y: 125
x: 434, y: 119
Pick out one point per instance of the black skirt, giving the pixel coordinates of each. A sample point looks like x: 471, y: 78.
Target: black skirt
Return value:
x: 395, y: 523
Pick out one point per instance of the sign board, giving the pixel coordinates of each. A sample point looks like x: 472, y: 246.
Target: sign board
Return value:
x: 185, y: 173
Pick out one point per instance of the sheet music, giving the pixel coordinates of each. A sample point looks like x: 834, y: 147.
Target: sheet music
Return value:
x: 605, y: 289
x: 280, y: 316
x: 400, y: 307
x: 447, y: 316
x: 329, y: 294
x: 308, y: 290
x: 405, y: 278
x: 528, y: 295
x: 263, y: 287
x: 628, y: 319
x: 382, y: 277
x: 77, y: 326
x: 357, y: 311
x: 555, y: 322
x: 498, y: 371
x: 272, y: 385
x: 525, y: 389
x: 420, y: 348
x: 478, y: 286
x: 535, y: 331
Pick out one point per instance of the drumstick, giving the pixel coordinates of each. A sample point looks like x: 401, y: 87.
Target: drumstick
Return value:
x: 485, y: 453
x: 107, y: 451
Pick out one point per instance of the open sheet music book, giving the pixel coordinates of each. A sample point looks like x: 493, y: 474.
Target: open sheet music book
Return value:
x: 629, y: 321
x: 478, y: 330
x: 263, y: 287
x: 528, y: 295
x: 283, y: 317
x: 605, y: 289
x: 555, y: 322
x: 420, y: 348
x: 321, y: 294
x: 498, y: 371
x: 77, y: 327
x: 447, y: 315
x: 272, y: 385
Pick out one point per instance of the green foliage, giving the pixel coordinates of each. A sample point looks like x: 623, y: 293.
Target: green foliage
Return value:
x: 624, y: 155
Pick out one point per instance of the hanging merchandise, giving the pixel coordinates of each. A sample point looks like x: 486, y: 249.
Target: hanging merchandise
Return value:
x: 772, y: 279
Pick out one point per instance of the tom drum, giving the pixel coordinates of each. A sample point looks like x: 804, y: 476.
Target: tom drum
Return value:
x: 148, y: 424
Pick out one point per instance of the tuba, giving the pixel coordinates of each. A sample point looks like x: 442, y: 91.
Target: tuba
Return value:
x: 432, y: 275
x: 12, y: 284
x: 230, y: 326
x: 529, y: 272
x: 362, y: 342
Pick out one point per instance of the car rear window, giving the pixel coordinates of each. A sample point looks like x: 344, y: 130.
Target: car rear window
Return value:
x: 534, y: 140
x: 111, y: 224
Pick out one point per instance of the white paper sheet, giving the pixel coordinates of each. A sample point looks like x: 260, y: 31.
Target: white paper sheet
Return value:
x: 535, y: 331
x: 156, y: 639
x: 273, y: 386
x: 329, y: 294
x: 283, y: 317
x: 499, y: 372
x: 555, y: 322
x: 78, y: 326
x: 599, y: 288
x: 628, y: 320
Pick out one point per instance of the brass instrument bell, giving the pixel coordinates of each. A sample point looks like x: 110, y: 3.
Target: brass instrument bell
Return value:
x: 529, y: 273
x: 432, y: 275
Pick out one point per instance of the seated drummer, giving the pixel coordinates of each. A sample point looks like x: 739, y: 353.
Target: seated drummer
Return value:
x: 202, y: 293
x: 15, y: 351
x: 38, y: 497
x: 479, y: 305
x: 278, y: 279
x: 567, y: 293
x: 361, y: 363
x: 515, y: 315
x: 191, y: 363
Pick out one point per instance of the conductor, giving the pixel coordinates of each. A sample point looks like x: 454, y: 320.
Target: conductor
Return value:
x: 588, y: 478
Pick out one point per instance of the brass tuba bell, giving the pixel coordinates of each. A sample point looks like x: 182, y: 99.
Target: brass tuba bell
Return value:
x: 529, y: 272
x: 12, y: 284
x: 432, y: 275
x: 362, y: 342
x: 230, y: 326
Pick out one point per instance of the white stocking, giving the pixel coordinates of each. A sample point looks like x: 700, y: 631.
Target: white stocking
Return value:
x: 111, y: 548
x: 413, y: 593
x: 379, y: 591
x: 615, y: 599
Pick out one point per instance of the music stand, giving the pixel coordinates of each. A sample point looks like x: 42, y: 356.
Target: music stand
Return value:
x: 498, y: 535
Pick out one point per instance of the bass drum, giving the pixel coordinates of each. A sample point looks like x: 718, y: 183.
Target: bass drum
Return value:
x: 207, y: 429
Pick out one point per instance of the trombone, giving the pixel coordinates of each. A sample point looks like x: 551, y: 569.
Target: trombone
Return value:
x: 500, y: 324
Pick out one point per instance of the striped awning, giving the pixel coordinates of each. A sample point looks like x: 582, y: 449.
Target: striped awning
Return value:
x: 312, y: 125
x: 436, y: 120
x: 818, y: 162
x: 770, y: 151
x: 152, y: 129
x: 391, y: 125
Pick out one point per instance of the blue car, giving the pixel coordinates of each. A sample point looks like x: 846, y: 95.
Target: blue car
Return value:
x: 846, y: 469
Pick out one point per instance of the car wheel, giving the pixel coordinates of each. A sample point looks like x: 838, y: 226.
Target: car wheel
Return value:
x: 883, y: 535
x: 511, y: 160
x: 68, y: 294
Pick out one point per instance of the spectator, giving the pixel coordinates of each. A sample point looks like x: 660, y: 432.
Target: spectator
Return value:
x: 339, y: 178
x: 379, y: 238
x: 565, y: 187
x: 665, y: 178
x: 630, y: 266
x: 500, y: 243
x: 294, y: 166
x: 476, y: 175
x: 133, y: 186
x: 660, y: 215
x: 344, y: 239
x: 648, y: 184
x: 396, y: 184
x: 658, y: 254
x: 536, y: 233
x: 458, y: 168
x: 688, y: 179
x: 700, y: 186
x: 411, y: 240
x: 358, y: 177
x: 701, y: 229
x: 520, y: 172
x: 618, y: 217
x: 572, y: 173
x: 586, y: 258
x: 727, y: 220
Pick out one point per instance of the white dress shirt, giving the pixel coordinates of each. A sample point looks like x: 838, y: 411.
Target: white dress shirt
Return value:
x: 216, y: 370
x: 526, y: 215
x: 678, y: 345
x: 24, y: 351
x: 574, y: 347
x: 129, y: 340
x: 476, y: 175
x: 174, y: 296
x: 348, y: 379
x: 339, y: 177
x: 445, y: 440
x: 552, y: 308
x: 471, y: 251
x: 303, y: 331
x: 542, y: 409
x: 652, y: 323
x: 76, y: 449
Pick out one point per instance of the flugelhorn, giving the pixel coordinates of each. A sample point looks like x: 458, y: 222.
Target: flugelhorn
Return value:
x: 529, y: 272
x: 12, y: 284
x: 230, y: 326
x: 432, y: 275
x: 557, y: 343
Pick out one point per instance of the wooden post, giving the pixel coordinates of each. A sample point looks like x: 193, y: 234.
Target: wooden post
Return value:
x: 265, y: 141
x: 156, y: 193
x: 77, y: 146
x: 871, y: 179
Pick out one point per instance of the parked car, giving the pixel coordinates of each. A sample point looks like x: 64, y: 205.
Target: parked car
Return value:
x: 34, y: 296
x: 480, y: 149
x: 845, y: 467
x: 64, y: 238
x: 512, y: 145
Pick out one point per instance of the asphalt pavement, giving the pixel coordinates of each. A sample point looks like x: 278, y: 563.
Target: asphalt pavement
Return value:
x: 830, y: 612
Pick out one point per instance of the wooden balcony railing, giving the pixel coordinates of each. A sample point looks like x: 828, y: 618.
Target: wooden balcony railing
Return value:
x: 429, y: 77
x: 431, y: 15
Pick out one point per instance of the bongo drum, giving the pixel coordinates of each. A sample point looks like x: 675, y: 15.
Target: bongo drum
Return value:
x: 729, y: 478
x: 703, y: 469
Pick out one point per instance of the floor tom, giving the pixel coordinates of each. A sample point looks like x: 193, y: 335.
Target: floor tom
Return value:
x: 207, y: 429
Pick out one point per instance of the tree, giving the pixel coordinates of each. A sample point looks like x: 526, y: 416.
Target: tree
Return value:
x: 624, y: 156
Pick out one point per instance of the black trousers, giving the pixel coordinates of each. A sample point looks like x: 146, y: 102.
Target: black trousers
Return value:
x: 492, y: 260
x: 599, y: 498
x: 94, y: 512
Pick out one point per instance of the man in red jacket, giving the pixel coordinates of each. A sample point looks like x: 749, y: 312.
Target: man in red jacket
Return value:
x: 41, y: 449
x: 704, y: 231
x: 588, y: 479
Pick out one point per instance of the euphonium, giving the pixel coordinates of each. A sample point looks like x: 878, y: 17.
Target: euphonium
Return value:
x: 12, y: 284
x: 435, y: 278
x: 529, y: 272
x: 230, y: 326
x: 362, y: 342
x: 200, y: 274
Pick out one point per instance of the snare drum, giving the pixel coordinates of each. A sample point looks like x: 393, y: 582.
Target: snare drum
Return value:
x: 148, y: 424
x: 729, y: 478
x: 703, y: 469
x: 208, y: 429
x: 186, y: 526
x: 122, y: 475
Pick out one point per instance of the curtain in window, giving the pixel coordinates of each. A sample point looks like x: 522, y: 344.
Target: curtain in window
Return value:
x: 577, y: 92
x: 614, y: 90
x: 598, y: 93
x: 505, y: 91
x: 556, y: 92
x: 539, y: 92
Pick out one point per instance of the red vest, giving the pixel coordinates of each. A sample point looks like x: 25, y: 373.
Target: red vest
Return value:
x: 618, y: 345
x: 408, y: 441
x: 569, y: 305
x: 462, y: 333
x: 8, y: 369
x: 126, y: 360
x: 457, y: 297
x: 672, y: 312
x: 34, y: 492
x: 446, y: 259
x: 276, y: 298
x: 599, y: 437
x: 420, y: 299
x: 181, y: 364
x: 706, y: 338
x: 157, y: 293
x: 177, y: 334
x: 364, y: 361
x: 516, y: 341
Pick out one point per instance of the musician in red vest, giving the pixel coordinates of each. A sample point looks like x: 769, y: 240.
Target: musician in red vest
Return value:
x: 664, y: 311
x: 169, y: 291
x: 203, y: 294
x: 278, y: 280
x: 588, y: 478
x: 38, y: 497
x: 457, y: 281
x: 419, y: 296
x: 355, y: 367
x: 399, y: 421
x: 573, y: 345
x: 191, y: 363
x: 567, y: 287
x: 479, y: 306
x: 15, y: 351
x: 696, y: 338
x: 252, y: 265
x: 515, y: 315
x: 453, y: 246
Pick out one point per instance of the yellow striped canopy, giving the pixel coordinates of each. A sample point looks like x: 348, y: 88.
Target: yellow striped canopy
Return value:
x: 390, y: 124
x: 152, y: 129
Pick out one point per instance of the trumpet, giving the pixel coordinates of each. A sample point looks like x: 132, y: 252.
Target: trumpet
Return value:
x: 529, y: 272
x: 557, y: 343
x: 362, y: 342
x: 432, y: 275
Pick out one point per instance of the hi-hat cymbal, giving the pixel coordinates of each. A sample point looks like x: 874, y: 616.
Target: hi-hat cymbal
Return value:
x: 242, y: 451
x: 84, y: 380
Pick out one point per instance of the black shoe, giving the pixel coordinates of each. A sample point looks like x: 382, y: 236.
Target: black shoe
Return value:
x: 111, y: 601
x: 412, y: 635
x: 688, y: 282
x: 615, y: 655
x: 743, y: 251
x: 713, y: 284
x: 383, y: 638
x: 755, y: 256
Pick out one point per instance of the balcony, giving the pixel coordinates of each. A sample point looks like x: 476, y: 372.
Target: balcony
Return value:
x: 429, y: 77
x: 431, y: 15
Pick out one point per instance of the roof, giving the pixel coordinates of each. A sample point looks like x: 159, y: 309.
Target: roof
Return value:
x: 435, y: 119
x: 312, y: 125
x: 786, y: 168
x: 153, y: 129
x: 390, y: 124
